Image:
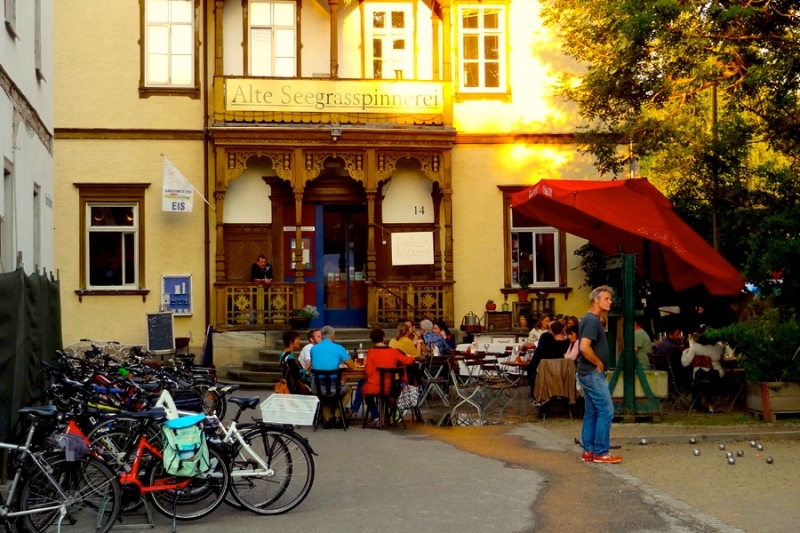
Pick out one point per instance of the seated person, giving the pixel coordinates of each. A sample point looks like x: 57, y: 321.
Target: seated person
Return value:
x: 328, y: 355
x: 408, y: 342
x: 292, y: 372
x: 574, y: 345
x: 432, y: 337
x: 641, y: 343
x: 552, y: 345
x: 261, y: 271
x: 672, y: 348
x: 445, y: 331
x: 704, y: 356
x: 379, y: 356
x: 543, y: 325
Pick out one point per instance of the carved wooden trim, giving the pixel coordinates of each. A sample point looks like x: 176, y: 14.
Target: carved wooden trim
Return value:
x: 431, y: 164
x: 315, y: 162
x: 237, y: 163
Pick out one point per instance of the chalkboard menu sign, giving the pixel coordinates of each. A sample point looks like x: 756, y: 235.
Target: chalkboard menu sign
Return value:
x: 160, y: 333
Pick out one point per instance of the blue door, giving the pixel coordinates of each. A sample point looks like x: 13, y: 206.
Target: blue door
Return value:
x: 344, y: 259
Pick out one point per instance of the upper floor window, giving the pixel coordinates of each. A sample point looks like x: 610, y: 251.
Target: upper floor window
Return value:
x: 272, y: 46
x: 170, y: 49
x: 389, y: 41
x: 482, y: 59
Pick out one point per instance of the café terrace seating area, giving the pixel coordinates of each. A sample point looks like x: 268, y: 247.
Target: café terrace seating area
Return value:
x: 487, y: 384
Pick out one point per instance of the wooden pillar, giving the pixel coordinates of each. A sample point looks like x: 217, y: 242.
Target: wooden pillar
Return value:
x: 447, y: 197
x: 298, y: 186
x: 371, y: 184
x: 334, y: 38
x: 219, y: 196
x: 218, y: 50
x: 277, y: 199
x: 436, y: 196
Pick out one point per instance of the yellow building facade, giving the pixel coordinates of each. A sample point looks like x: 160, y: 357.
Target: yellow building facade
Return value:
x: 367, y: 149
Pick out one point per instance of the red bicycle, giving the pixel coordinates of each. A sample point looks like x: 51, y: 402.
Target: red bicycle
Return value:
x: 128, y: 447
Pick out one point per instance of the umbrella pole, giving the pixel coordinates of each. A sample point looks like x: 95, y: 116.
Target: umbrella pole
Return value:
x: 628, y: 277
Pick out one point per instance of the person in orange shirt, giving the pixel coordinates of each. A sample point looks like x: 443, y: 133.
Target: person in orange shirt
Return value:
x: 379, y: 356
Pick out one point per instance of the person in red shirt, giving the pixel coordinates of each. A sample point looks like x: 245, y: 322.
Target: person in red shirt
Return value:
x: 379, y: 356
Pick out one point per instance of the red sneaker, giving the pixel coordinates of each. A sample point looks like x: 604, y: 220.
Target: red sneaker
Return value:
x: 587, y: 457
x: 607, y: 458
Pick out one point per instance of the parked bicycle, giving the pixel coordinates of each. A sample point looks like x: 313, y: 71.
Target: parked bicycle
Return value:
x: 50, y: 493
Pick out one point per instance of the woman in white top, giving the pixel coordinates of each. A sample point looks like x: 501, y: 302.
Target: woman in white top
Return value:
x: 541, y: 326
x: 701, y: 355
x: 704, y: 348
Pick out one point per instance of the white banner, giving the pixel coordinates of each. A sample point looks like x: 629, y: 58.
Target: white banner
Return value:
x: 178, y: 191
x: 412, y: 248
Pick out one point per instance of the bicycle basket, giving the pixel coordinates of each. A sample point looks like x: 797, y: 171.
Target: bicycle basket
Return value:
x: 293, y: 409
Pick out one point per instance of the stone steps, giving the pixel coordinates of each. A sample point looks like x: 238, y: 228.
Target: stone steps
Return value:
x: 267, y: 370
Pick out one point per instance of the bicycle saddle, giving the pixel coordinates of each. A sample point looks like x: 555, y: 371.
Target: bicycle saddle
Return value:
x: 156, y: 413
x: 45, y: 411
x: 247, y: 403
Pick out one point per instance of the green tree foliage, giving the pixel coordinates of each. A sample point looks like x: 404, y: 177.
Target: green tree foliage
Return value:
x: 656, y: 71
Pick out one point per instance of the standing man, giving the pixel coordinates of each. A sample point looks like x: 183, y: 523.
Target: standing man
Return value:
x: 314, y: 337
x: 592, y: 361
x: 261, y: 271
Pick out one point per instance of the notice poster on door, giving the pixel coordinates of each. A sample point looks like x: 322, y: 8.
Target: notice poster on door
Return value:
x: 412, y: 248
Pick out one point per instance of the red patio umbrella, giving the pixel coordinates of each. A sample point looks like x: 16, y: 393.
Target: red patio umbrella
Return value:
x: 631, y: 213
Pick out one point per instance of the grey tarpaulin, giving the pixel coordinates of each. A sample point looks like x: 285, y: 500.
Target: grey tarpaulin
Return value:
x: 30, y: 332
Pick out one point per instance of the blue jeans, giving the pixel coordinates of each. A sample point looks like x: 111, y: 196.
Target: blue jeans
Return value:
x: 373, y: 410
x: 598, y: 412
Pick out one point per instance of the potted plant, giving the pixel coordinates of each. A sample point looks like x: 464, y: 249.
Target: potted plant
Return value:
x: 767, y: 349
x: 522, y: 293
x: 302, y: 317
x: 490, y: 305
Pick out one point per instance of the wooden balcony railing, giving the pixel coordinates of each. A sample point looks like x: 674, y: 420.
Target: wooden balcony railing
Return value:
x: 398, y: 301
x: 245, y: 306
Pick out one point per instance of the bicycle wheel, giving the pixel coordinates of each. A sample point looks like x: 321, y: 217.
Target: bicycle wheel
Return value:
x: 214, y: 403
x: 289, y: 478
x: 203, y: 494
x: 92, y: 497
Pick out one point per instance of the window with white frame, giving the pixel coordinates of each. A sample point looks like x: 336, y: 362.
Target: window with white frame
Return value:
x: 272, y: 42
x: 482, y: 61
x: 170, y: 47
x: 389, y: 41
x: 534, y: 253
x: 112, y: 245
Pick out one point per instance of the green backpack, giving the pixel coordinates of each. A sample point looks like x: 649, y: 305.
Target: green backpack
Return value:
x: 185, y: 448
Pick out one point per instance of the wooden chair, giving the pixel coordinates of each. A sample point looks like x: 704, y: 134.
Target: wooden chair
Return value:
x: 328, y: 388
x: 391, y: 382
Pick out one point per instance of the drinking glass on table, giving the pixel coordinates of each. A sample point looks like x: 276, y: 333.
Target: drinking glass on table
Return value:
x: 486, y: 347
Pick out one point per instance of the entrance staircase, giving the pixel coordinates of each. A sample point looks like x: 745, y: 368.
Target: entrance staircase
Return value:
x: 266, y: 370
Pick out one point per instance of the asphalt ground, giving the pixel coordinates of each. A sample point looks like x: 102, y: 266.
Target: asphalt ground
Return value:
x: 511, y: 478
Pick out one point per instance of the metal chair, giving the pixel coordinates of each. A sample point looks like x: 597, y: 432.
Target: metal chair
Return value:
x: 433, y: 380
x: 466, y: 393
